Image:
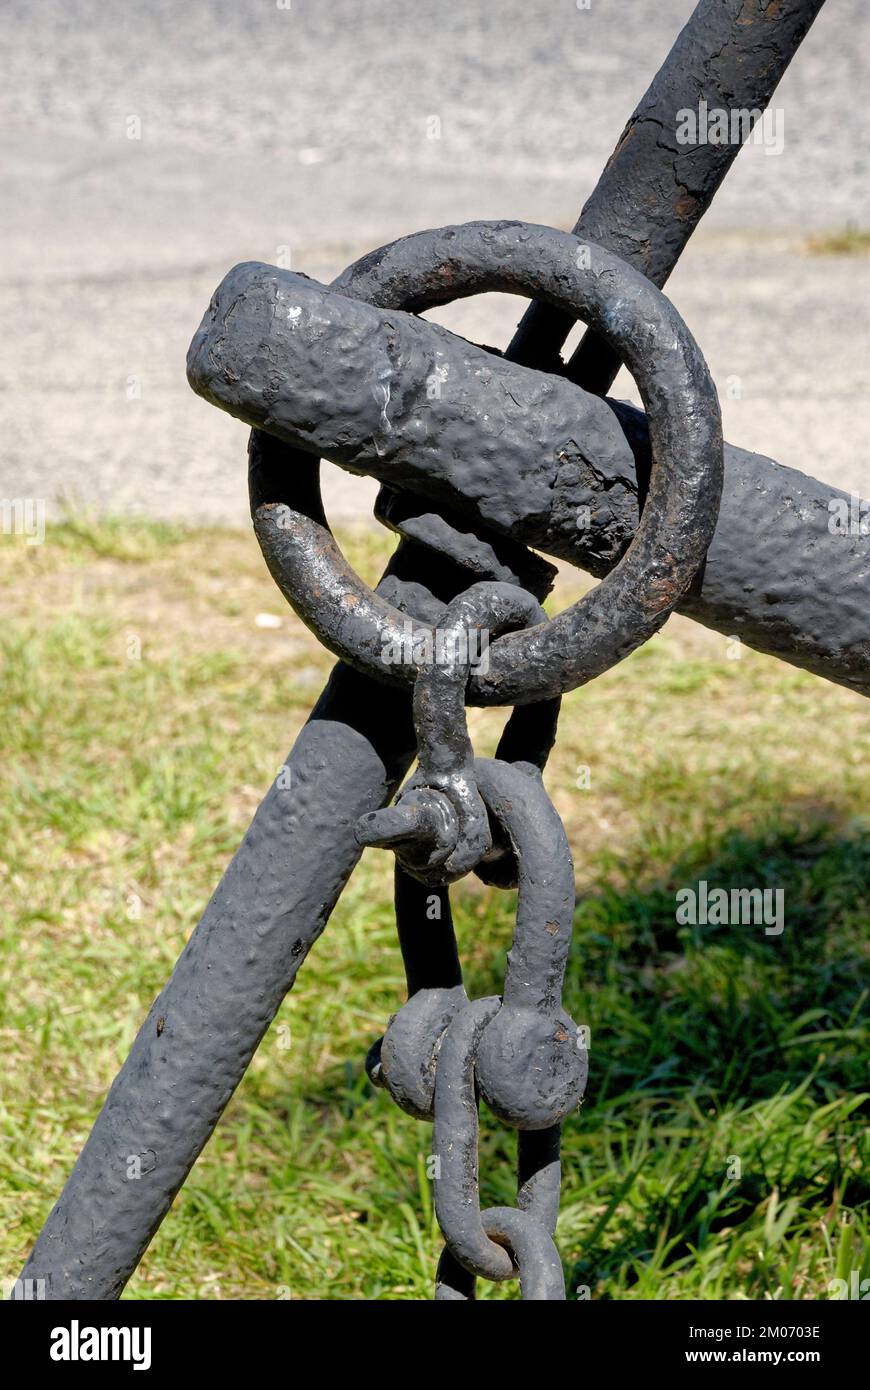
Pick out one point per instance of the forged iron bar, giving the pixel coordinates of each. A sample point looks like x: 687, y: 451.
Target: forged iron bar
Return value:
x: 271, y: 339
x: 654, y: 191
x: 270, y: 906
x: 283, y: 882
x: 527, y: 455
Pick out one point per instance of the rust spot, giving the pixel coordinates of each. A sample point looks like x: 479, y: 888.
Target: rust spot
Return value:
x: 161, y: 1024
x: 662, y: 591
x: 686, y: 205
x: 551, y: 928
x: 560, y: 1035
x: 627, y: 135
x: 772, y: 11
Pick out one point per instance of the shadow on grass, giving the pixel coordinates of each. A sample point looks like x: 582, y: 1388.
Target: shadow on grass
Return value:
x: 717, y: 1039
x: 727, y: 1011
x: 707, y: 1041
x: 729, y: 1008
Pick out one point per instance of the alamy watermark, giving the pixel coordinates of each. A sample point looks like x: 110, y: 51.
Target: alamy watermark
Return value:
x: 420, y: 646
x: 849, y: 516
x: 855, y: 1289
x: 23, y: 1290
x: 77, y: 1343
x: 740, y: 907
x: 23, y: 516
x: 717, y: 126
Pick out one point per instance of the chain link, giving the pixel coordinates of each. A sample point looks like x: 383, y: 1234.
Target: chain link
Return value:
x: 520, y: 1052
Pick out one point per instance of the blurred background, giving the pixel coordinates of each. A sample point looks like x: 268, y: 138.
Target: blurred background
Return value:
x: 148, y: 147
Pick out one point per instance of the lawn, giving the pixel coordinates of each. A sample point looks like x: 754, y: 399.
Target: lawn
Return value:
x: 718, y: 1152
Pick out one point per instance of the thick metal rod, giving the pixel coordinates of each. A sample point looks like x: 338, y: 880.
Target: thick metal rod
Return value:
x: 98, y: 1229
x: 654, y: 191
x: 533, y: 458
x: 201, y: 1032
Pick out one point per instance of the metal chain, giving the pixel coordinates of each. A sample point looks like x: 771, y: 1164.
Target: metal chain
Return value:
x: 520, y: 1052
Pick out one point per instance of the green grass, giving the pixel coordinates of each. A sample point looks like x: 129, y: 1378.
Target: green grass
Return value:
x: 143, y: 714
x: 850, y: 241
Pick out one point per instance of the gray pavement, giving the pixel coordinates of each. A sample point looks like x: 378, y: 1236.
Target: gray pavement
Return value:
x: 303, y: 133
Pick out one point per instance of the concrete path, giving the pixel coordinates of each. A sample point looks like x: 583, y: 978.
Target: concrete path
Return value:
x: 148, y: 147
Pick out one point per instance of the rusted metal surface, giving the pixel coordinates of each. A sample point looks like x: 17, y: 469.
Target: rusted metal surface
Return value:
x: 342, y: 378
x: 529, y: 456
